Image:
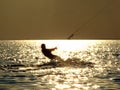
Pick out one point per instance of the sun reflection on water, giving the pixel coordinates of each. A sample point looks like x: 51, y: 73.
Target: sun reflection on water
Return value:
x: 70, y: 76
x: 68, y: 45
x: 67, y: 78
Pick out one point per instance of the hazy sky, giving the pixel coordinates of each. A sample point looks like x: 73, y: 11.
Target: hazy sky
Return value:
x: 57, y: 19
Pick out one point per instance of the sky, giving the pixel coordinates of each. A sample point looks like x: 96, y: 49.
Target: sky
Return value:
x: 58, y: 19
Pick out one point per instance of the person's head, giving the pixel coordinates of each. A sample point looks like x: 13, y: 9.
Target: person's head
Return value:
x: 43, y: 46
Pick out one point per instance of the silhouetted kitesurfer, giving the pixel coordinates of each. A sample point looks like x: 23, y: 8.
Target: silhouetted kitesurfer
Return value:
x: 48, y: 52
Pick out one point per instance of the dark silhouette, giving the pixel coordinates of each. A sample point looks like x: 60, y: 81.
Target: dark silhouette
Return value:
x: 47, y: 52
x: 55, y: 60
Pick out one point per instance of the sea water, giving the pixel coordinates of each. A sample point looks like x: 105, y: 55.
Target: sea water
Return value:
x: 94, y: 67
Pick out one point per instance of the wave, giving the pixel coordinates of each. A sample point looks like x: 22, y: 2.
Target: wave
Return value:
x: 74, y: 63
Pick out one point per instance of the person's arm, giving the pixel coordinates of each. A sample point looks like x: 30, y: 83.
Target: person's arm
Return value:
x: 52, y: 49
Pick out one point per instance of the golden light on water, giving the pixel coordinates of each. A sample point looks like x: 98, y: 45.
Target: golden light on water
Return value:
x: 67, y: 45
x: 73, y: 78
x: 78, y: 70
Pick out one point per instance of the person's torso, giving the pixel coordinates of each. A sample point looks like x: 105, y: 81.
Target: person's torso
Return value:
x: 47, y: 53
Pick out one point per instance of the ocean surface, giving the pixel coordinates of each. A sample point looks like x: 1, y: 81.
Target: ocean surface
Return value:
x: 86, y: 65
